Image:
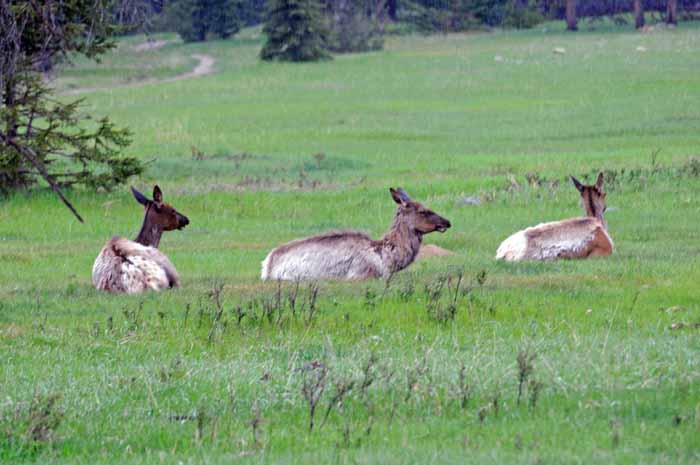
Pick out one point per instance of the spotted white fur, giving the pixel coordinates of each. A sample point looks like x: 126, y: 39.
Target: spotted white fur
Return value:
x: 513, y: 248
x: 130, y: 267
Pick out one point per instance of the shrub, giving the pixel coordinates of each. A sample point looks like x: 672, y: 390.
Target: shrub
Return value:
x: 521, y: 16
x: 444, y: 16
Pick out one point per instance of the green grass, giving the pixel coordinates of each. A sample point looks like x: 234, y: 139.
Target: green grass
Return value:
x: 126, y: 65
x: 156, y: 378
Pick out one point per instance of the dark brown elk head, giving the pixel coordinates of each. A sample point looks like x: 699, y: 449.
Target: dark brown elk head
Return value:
x: 592, y: 196
x: 159, y: 216
x: 418, y: 217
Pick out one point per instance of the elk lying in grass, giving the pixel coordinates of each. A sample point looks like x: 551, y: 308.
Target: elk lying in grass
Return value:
x: 135, y: 266
x: 573, y: 238
x: 354, y: 255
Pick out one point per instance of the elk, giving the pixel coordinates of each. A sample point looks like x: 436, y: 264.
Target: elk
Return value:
x: 573, y: 238
x: 135, y: 266
x: 353, y: 254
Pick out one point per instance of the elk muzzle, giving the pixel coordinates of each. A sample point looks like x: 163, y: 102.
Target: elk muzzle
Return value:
x: 443, y: 225
x: 182, y: 221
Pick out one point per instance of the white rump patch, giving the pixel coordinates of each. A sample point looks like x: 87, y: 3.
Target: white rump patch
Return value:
x: 513, y: 248
x: 263, y: 273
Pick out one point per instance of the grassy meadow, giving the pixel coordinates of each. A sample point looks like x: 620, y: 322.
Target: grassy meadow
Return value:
x: 457, y: 359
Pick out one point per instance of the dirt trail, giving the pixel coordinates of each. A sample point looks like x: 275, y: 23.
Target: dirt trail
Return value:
x: 151, y: 45
x: 203, y: 68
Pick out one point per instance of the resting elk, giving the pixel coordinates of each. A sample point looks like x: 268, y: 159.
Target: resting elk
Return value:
x: 573, y: 238
x: 135, y: 266
x: 353, y: 254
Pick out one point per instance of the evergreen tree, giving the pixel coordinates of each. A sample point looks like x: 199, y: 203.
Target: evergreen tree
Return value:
x: 194, y: 19
x: 41, y: 137
x: 224, y: 17
x: 296, y: 31
x: 252, y: 12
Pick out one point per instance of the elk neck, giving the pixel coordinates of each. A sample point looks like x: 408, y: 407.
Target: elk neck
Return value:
x: 592, y: 210
x: 150, y: 232
x: 401, y: 243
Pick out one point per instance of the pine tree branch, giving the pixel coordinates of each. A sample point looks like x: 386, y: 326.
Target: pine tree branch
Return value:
x: 29, y: 154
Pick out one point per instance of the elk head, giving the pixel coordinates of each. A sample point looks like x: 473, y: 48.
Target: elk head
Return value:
x: 158, y: 213
x: 592, y: 196
x: 419, y: 218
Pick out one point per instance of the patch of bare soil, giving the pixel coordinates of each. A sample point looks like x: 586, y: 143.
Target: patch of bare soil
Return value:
x: 151, y: 45
x: 432, y: 250
x: 204, y: 67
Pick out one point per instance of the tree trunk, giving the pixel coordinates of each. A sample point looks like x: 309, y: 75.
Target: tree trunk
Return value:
x: 9, y: 102
x: 12, y: 178
x: 571, y: 20
x: 380, y: 13
x: 671, y: 12
x: 44, y: 65
x: 391, y: 9
x: 638, y: 14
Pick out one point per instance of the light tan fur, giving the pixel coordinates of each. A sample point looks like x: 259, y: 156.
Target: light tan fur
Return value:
x: 135, y: 266
x: 572, y: 238
x: 432, y: 250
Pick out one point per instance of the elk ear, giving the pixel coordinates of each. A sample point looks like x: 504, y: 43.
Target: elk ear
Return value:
x: 577, y: 183
x: 140, y: 198
x: 399, y: 195
x: 157, y: 195
x: 599, y: 182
